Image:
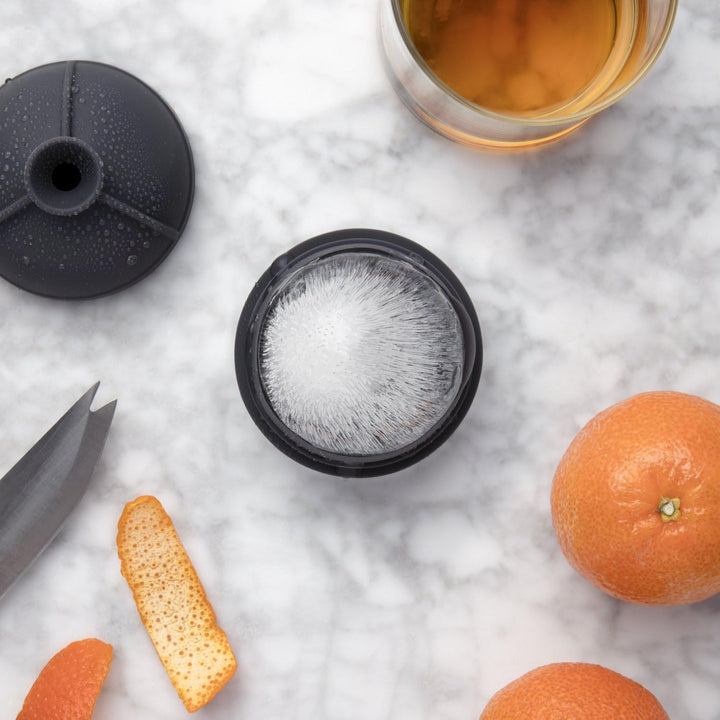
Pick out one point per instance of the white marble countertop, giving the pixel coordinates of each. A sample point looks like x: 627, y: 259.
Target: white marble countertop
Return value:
x: 593, y: 265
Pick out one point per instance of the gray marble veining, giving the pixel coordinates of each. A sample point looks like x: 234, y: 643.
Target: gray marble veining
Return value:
x: 593, y: 266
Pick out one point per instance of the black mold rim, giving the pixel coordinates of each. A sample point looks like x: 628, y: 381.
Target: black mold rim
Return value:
x: 250, y: 327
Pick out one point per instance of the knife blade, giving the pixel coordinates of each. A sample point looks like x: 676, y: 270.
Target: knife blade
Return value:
x: 43, y: 487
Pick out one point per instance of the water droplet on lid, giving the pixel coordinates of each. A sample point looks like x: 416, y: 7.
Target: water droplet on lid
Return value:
x: 132, y: 259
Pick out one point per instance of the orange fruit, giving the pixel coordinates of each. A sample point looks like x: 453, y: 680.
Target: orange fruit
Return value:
x: 636, y: 499
x: 172, y: 603
x: 573, y: 691
x: 70, y: 683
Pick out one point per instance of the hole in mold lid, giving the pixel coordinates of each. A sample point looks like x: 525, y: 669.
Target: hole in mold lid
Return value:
x: 66, y: 176
x: 96, y: 179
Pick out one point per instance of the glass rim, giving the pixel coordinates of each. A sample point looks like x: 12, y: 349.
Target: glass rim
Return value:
x: 574, y: 117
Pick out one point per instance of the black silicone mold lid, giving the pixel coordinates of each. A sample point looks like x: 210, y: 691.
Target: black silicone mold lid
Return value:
x: 96, y: 180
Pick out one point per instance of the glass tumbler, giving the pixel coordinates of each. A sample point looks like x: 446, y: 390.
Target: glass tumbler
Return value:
x: 636, y: 32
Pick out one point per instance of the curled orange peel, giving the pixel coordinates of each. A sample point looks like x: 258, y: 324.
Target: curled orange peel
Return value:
x: 68, y: 686
x: 172, y: 603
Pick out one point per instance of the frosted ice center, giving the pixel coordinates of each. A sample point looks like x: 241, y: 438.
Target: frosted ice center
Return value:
x: 361, y: 353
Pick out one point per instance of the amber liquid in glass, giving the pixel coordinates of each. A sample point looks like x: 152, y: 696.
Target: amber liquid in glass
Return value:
x: 516, y: 57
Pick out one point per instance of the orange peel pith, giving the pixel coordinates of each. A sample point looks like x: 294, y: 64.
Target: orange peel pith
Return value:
x: 68, y: 686
x: 172, y: 603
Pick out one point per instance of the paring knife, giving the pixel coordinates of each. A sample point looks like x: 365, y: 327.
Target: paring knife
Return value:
x: 39, y: 492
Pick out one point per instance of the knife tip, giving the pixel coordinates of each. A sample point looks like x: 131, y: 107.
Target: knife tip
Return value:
x: 106, y: 410
x: 90, y: 393
x: 86, y: 401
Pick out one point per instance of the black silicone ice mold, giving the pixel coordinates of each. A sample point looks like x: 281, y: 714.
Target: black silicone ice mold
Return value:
x: 248, y: 351
x: 96, y: 180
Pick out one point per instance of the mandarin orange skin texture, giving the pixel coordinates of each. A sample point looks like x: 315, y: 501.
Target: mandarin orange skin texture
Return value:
x: 636, y: 499
x: 68, y: 686
x: 573, y: 691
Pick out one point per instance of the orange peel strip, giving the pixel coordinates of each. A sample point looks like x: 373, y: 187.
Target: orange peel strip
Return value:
x: 172, y: 603
x: 68, y: 686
